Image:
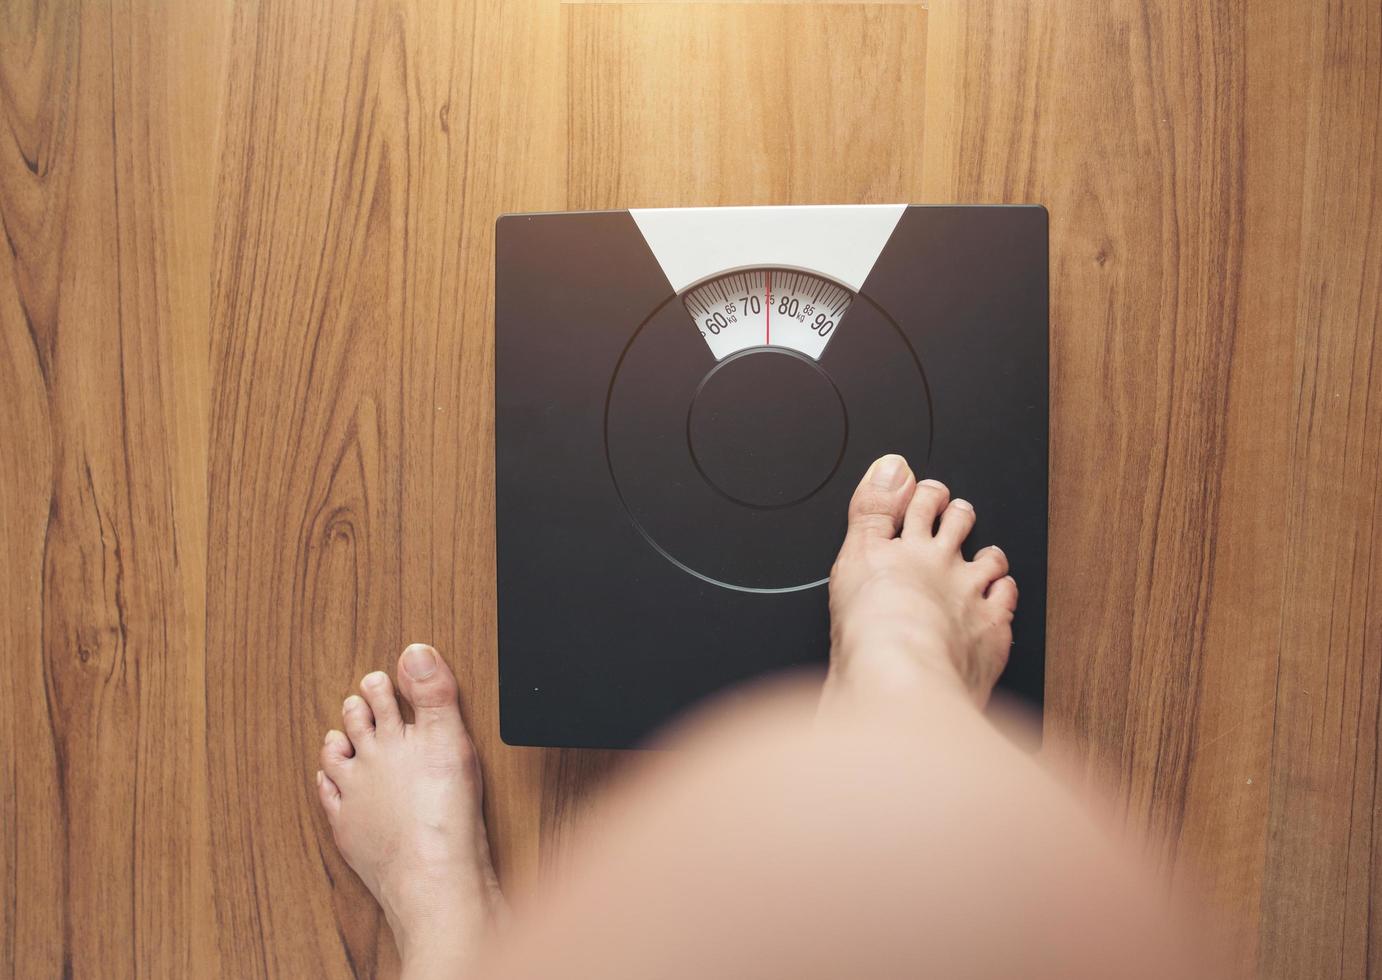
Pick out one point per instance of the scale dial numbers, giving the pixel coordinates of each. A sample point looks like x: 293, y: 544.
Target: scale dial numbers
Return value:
x: 767, y: 308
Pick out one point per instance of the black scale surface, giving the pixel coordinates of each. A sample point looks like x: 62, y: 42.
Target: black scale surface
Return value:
x: 666, y: 522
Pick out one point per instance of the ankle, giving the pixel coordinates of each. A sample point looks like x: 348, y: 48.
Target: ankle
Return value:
x: 887, y: 673
x: 891, y: 649
x: 438, y: 960
x: 444, y: 930
x: 439, y: 949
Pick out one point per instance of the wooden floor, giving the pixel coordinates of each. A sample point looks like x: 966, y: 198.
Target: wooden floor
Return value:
x: 245, y: 412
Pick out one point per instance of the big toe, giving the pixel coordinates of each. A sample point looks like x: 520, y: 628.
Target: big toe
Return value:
x: 881, y: 498
x: 430, y: 687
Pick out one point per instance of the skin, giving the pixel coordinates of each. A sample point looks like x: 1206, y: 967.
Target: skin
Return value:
x: 879, y: 827
x: 903, y: 599
x: 404, y: 804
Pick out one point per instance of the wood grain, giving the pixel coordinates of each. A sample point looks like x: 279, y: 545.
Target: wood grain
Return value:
x: 246, y: 437
x: 350, y: 448
x: 719, y: 104
x: 111, y: 112
x: 1216, y: 641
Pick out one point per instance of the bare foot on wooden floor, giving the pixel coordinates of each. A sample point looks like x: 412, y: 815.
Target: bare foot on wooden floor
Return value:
x: 404, y: 803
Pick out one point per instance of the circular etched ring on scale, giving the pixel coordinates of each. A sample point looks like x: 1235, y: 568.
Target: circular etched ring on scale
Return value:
x: 739, y: 470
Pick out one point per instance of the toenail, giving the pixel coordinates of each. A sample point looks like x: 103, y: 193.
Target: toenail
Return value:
x: 889, y: 472
x: 351, y: 702
x: 962, y: 504
x: 998, y: 549
x: 374, y: 678
x: 933, y: 484
x: 419, y: 661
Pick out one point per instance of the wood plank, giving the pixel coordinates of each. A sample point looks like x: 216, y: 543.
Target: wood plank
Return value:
x: 1212, y: 180
x: 681, y: 104
x: 111, y: 113
x: 367, y: 155
x: 1323, y: 864
x: 1138, y: 176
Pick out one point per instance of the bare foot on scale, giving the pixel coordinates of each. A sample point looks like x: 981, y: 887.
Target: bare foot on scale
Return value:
x: 905, y: 606
x: 404, y: 800
x: 404, y: 804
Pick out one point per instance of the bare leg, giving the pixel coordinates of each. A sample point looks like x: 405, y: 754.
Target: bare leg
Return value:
x: 882, y: 829
x: 891, y: 831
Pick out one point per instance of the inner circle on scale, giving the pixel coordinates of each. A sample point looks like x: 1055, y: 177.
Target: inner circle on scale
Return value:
x: 681, y: 439
x: 767, y: 427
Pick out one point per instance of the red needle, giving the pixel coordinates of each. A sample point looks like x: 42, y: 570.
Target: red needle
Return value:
x: 768, y: 301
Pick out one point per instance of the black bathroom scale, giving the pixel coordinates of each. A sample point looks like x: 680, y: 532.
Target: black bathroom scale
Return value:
x: 685, y: 400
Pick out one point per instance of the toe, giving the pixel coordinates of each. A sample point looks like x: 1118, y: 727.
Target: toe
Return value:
x: 430, y: 687
x: 336, y: 752
x: 881, y: 499
x: 329, y: 793
x: 956, y: 522
x: 358, y: 720
x: 378, y: 692
x: 927, y: 503
x: 989, y: 565
x: 1004, y: 593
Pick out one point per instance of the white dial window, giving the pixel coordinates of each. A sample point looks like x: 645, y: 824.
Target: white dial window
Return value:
x: 767, y: 308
